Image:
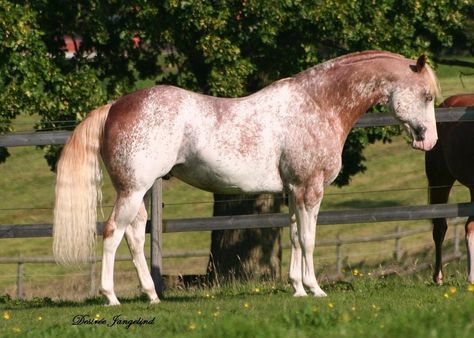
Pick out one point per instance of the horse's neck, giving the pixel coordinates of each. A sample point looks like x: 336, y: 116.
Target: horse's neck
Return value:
x: 348, y: 91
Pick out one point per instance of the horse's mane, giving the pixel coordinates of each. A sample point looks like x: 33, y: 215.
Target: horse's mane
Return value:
x: 369, y: 55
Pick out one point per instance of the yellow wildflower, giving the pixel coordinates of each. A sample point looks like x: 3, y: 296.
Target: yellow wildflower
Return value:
x: 6, y: 315
x: 16, y: 329
x: 331, y: 305
x: 192, y: 326
x: 470, y: 288
x: 452, y: 290
x: 446, y: 295
x: 257, y: 290
x: 97, y: 316
x: 246, y: 305
x: 40, y: 318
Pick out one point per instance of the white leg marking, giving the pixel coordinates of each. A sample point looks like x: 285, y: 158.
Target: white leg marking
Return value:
x: 470, y: 256
x: 296, y: 262
x: 306, y: 219
x: 135, y: 235
x: 125, y: 210
x: 108, y: 258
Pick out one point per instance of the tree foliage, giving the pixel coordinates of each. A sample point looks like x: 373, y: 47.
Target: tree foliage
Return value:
x: 219, y: 47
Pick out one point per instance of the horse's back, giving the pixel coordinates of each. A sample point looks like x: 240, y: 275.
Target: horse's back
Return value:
x: 460, y: 100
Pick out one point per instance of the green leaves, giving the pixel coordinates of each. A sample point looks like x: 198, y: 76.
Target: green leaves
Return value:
x: 222, y: 47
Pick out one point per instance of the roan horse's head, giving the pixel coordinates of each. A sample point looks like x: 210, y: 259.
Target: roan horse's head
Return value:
x: 412, y: 102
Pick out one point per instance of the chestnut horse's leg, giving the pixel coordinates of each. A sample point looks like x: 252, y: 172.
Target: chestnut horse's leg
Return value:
x: 135, y: 236
x: 440, y: 182
x: 308, y: 200
x: 125, y: 210
x: 470, y: 243
x: 296, y: 263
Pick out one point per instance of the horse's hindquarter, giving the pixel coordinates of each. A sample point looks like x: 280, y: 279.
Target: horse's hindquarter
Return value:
x: 142, y: 136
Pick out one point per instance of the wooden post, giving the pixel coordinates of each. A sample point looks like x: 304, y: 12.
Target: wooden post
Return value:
x: 92, y: 277
x: 156, y: 235
x: 456, y: 240
x: 398, y: 254
x: 338, y: 254
x: 19, y: 281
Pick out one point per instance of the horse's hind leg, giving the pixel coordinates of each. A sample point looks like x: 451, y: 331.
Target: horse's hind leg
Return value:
x: 440, y: 182
x: 135, y: 235
x: 124, y: 212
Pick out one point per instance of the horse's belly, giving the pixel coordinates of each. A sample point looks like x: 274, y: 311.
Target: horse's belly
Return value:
x: 221, y: 180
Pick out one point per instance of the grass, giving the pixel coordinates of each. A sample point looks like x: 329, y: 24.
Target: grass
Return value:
x: 395, y: 176
x: 362, y: 307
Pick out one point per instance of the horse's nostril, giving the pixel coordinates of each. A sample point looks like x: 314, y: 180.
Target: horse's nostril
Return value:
x: 420, y: 132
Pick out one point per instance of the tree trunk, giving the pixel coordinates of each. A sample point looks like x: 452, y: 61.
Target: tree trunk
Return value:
x: 249, y: 253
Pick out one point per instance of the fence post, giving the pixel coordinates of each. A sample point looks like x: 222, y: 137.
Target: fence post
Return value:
x: 92, y: 277
x: 19, y: 281
x: 156, y: 235
x: 456, y: 240
x: 398, y: 254
x: 338, y: 254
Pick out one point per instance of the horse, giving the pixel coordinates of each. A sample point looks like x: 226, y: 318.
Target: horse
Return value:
x: 450, y: 160
x: 287, y: 137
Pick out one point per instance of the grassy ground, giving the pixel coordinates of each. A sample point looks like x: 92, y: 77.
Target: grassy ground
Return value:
x: 362, y: 307
x: 394, y: 176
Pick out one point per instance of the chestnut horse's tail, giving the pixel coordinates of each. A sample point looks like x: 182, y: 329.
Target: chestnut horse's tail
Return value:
x: 78, y: 191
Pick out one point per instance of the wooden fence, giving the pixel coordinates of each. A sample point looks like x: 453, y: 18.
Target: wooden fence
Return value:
x: 157, y: 225
x: 338, y: 243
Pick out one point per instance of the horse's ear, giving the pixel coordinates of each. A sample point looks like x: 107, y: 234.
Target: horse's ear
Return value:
x: 420, y: 63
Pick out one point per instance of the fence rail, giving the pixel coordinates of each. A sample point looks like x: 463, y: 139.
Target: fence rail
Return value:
x: 41, y: 138
x: 387, y: 214
x: 338, y: 242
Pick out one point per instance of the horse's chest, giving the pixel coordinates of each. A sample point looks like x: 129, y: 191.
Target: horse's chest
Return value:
x: 318, y: 152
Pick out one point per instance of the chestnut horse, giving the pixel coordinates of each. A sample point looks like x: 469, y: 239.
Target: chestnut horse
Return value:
x: 452, y: 159
x: 286, y: 137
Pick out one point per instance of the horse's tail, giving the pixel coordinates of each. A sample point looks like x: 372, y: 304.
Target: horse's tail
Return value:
x: 78, y: 191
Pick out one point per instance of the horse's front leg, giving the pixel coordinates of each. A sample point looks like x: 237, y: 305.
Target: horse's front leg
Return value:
x: 308, y: 201
x: 296, y: 262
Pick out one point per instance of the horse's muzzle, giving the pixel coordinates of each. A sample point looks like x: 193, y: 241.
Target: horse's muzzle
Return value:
x: 422, y: 137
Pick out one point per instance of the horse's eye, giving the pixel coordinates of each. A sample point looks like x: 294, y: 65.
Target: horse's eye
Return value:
x: 429, y: 97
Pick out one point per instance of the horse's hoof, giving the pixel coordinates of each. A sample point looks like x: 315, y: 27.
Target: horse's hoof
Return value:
x: 113, y: 303
x: 155, y: 301
x: 318, y: 292
x: 300, y: 293
x: 438, y: 280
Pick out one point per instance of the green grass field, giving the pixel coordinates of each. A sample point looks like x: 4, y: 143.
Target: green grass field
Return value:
x: 394, y: 176
x: 360, y: 307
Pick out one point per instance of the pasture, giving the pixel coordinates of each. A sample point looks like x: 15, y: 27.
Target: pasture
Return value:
x: 363, y: 306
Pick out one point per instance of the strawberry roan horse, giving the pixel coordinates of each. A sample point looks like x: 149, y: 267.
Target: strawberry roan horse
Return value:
x: 288, y: 136
x: 452, y: 159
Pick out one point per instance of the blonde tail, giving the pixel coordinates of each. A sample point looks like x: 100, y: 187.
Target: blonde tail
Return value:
x: 78, y: 191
